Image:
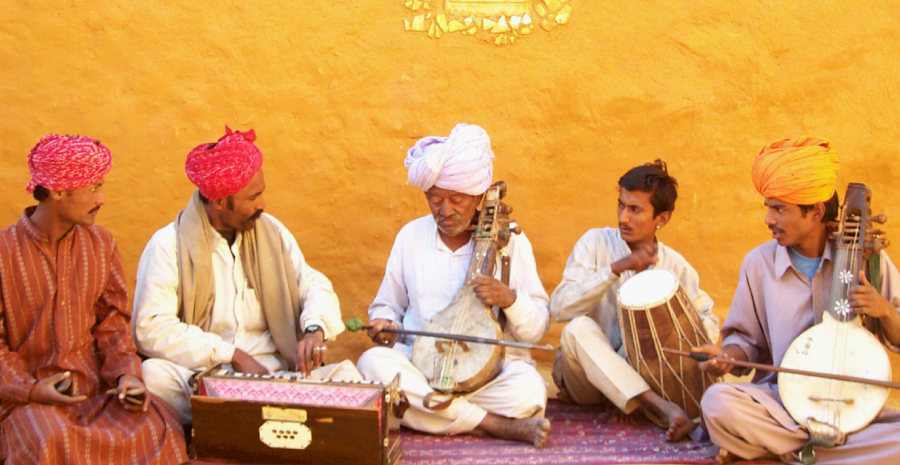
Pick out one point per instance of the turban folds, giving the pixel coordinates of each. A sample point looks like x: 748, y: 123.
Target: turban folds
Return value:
x: 460, y: 162
x: 801, y: 171
x: 62, y: 163
x: 223, y: 168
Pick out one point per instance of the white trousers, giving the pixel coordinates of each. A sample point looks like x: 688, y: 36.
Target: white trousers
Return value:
x: 517, y: 392
x: 171, y: 382
x: 749, y: 420
x: 588, y: 369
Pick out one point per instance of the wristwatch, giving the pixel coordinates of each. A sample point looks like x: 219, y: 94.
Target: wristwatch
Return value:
x: 312, y: 329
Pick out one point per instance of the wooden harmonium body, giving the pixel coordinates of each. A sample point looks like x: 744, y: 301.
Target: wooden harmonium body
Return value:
x: 270, y: 419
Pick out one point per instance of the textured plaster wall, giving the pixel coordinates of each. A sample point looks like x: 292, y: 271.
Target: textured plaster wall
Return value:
x: 338, y: 91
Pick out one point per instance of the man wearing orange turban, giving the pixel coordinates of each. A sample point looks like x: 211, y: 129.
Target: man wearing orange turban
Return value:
x: 782, y: 291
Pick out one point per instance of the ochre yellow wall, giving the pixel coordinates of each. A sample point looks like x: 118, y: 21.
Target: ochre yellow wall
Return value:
x: 337, y: 92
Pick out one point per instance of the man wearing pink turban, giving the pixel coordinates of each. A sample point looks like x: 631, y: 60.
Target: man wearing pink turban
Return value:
x: 783, y: 289
x: 426, y: 269
x: 65, y: 339
x: 226, y: 284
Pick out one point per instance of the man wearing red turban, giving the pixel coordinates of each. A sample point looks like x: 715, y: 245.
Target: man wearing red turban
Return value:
x: 65, y: 339
x: 783, y: 290
x: 226, y: 284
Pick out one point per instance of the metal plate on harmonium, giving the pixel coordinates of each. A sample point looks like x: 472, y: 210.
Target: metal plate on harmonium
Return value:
x: 278, y: 420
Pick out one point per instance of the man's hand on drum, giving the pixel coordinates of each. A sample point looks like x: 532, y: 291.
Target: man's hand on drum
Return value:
x: 310, y: 352
x: 492, y: 292
x: 638, y: 260
x: 718, y: 364
x: 379, y: 337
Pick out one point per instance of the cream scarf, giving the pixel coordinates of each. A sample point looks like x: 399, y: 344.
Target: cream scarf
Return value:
x: 267, y: 265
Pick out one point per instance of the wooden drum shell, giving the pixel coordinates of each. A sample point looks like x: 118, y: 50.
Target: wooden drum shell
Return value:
x: 670, y: 322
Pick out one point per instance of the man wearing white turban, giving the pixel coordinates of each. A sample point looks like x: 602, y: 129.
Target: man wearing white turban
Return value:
x: 426, y: 268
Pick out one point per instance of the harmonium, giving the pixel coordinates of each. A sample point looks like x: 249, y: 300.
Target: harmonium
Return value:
x: 278, y: 420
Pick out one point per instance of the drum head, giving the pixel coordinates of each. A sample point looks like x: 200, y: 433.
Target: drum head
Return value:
x: 648, y: 289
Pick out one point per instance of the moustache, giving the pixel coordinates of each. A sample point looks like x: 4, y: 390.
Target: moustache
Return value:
x: 94, y: 210
x: 256, y: 215
x: 455, y: 216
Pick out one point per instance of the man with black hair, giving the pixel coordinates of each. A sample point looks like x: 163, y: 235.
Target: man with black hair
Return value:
x: 590, y: 364
x: 782, y: 291
x: 71, y: 388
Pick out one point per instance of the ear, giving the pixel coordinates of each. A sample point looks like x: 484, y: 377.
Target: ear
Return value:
x: 818, y: 211
x: 663, y: 218
x: 56, y: 195
x: 219, y: 204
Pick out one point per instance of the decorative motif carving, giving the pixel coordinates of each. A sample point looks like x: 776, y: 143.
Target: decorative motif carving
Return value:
x: 500, y: 22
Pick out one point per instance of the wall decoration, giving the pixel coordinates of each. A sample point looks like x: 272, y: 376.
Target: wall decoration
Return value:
x: 500, y: 22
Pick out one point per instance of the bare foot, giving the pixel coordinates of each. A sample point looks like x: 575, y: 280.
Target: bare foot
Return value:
x: 533, y: 430
x: 725, y: 457
x: 679, y: 425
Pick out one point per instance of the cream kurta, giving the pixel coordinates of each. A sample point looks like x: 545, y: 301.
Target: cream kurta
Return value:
x: 178, y: 349
x: 590, y: 363
x: 422, y: 277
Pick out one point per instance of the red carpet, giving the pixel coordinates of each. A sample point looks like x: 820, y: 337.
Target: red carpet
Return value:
x: 578, y: 436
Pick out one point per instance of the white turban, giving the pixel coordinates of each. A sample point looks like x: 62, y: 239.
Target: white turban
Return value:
x: 460, y: 162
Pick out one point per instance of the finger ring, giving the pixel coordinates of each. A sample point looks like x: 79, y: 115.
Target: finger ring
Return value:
x: 319, y: 349
x: 384, y: 341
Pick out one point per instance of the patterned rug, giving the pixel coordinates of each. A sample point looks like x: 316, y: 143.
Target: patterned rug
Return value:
x: 578, y: 436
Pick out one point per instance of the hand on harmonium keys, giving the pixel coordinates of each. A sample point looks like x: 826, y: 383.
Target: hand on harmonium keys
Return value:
x: 311, y: 352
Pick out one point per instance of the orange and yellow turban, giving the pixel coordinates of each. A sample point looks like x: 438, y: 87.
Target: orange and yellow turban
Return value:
x: 801, y: 171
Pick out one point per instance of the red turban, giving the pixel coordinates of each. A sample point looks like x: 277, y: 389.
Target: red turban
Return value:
x: 63, y: 163
x: 224, y: 168
x: 801, y: 171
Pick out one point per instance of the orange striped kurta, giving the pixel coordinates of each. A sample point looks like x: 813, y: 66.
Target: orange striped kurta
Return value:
x: 68, y: 310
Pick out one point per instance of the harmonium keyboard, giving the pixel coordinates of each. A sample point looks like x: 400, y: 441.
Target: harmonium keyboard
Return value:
x: 271, y: 419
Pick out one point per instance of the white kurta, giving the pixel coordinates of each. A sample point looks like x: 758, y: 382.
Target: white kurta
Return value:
x: 178, y: 350
x: 590, y: 363
x: 421, y: 278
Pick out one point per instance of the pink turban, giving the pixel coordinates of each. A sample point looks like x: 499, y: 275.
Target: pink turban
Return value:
x: 224, y: 168
x: 801, y: 171
x: 62, y: 163
x: 460, y: 162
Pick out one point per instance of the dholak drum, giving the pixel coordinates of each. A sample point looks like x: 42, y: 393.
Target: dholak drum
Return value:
x: 655, y: 312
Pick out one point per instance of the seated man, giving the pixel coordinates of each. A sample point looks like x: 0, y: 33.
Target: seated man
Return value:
x: 426, y: 268
x: 783, y: 289
x: 227, y: 284
x: 64, y: 322
x: 590, y: 364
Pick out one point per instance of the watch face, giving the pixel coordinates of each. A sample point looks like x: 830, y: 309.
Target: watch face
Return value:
x: 312, y: 329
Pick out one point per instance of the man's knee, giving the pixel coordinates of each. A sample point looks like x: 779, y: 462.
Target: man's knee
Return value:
x: 372, y: 362
x: 578, y: 330
x: 715, y: 400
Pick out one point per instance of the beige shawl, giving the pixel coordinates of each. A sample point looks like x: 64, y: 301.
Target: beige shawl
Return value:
x: 266, y: 263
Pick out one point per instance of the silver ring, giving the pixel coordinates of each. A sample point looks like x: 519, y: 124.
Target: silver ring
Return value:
x: 319, y: 349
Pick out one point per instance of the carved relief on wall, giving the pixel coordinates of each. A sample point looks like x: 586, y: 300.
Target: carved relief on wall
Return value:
x: 500, y: 22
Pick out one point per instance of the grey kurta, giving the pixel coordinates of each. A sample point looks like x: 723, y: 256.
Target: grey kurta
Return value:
x: 773, y: 304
